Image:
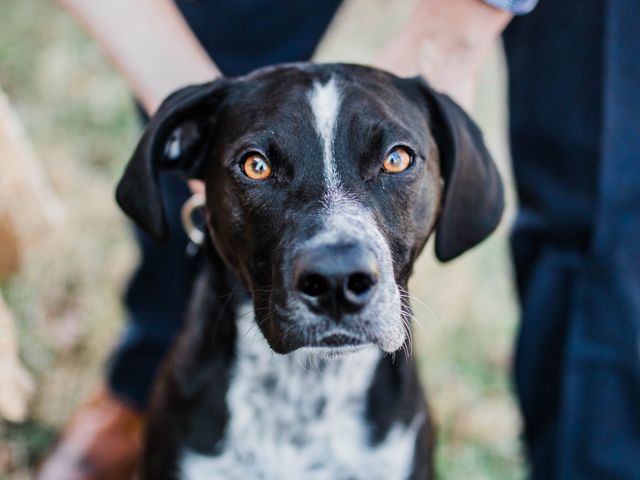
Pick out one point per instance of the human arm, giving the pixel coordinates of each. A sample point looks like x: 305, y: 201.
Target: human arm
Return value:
x: 446, y: 42
x: 148, y: 42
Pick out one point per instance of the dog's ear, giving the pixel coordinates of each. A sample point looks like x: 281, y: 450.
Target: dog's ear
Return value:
x: 473, y: 199
x: 176, y: 138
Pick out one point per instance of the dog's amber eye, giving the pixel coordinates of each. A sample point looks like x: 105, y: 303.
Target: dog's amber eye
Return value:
x: 398, y: 160
x: 256, y: 167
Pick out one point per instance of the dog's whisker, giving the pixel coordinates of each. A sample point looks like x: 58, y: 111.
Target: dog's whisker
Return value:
x: 407, y: 295
x: 249, y: 330
x: 407, y: 315
x: 301, y: 364
x: 412, y: 316
x: 315, y: 361
x: 408, y: 344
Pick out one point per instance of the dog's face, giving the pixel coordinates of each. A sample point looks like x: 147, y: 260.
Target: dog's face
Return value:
x: 323, y: 184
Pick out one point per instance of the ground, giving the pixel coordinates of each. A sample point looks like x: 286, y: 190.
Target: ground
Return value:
x: 81, y: 119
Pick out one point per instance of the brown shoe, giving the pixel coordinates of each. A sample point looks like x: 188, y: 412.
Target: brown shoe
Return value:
x: 101, y: 442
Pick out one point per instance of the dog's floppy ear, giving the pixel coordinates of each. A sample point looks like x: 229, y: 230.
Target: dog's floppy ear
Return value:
x: 473, y: 199
x: 175, y: 137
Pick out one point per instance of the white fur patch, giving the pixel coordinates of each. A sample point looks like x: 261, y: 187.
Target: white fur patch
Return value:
x: 301, y: 416
x: 325, y: 104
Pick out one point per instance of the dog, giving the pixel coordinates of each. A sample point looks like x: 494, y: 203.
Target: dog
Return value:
x: 323, y: 184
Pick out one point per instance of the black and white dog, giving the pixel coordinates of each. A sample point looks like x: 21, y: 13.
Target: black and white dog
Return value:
x: 323, y: 183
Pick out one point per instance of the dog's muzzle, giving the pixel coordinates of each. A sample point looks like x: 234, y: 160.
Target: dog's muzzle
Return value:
x: 340, y: 285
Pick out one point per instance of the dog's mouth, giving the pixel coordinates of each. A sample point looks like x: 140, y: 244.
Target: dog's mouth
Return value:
x: 339, y: 339
x: 289, y: 326
x: 334, y: 352
x: 337, y: 344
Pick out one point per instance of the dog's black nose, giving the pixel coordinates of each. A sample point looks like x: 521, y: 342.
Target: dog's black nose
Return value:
x: 336, y: 279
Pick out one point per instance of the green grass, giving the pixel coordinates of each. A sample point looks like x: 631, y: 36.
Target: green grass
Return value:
x: 80, y: 117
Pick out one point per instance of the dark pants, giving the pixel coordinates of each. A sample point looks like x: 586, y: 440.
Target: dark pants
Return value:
x: 575, y: 136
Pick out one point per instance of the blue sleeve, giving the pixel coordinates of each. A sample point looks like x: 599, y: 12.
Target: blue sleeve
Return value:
x: 517, y: 7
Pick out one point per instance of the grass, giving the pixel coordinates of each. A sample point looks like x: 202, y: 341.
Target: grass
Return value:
x: 80, y: 117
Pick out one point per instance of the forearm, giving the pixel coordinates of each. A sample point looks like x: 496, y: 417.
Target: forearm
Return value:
x: 447, y: 42
x: 149, y: 42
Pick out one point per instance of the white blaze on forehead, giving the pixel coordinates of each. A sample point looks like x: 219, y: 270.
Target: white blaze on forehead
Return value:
x: 325, y: 105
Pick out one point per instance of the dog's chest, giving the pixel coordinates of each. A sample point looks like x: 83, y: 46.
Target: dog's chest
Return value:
x: 300, y: 416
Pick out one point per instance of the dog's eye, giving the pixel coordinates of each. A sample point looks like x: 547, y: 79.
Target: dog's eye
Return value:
x: 398, y: 160
x: 256, y: 167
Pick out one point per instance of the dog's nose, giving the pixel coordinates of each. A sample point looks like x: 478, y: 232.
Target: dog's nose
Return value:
x: 336, y: 279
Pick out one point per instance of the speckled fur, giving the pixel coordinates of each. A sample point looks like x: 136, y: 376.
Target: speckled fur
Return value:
x: 301, y: 416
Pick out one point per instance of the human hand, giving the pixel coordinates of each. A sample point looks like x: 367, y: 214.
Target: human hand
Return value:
x: 447, y: 43
x: 197, y: 186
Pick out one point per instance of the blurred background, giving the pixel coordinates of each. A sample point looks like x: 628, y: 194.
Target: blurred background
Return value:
x: 65, y: 299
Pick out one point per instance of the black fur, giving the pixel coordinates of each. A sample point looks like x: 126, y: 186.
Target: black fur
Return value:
x: 205, y: 131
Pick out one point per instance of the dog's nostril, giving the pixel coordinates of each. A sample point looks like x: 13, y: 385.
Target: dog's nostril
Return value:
x: 360, y: 283
x: 336, y: 279
x: 313, y: 285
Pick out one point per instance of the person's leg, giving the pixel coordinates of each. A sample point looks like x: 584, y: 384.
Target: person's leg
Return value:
x: 601, y: 395
x: 555, y: 82
x: 575, y: 239
x: 155, y: 300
